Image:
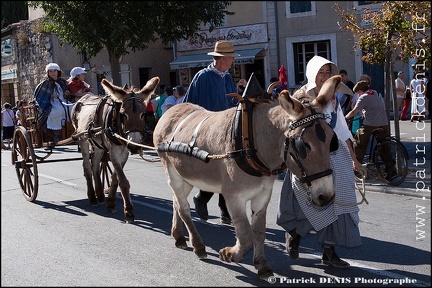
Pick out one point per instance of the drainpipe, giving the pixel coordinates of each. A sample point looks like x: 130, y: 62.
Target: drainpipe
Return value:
x: 277, y: 34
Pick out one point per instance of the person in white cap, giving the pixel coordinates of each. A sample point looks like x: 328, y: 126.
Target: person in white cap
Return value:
x: 336, y: 223
x: 77, y: 86
x: 208, y: 89
x: 52, y: 96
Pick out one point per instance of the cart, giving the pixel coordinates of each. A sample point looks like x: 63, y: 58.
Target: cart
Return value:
x: 31, y: 148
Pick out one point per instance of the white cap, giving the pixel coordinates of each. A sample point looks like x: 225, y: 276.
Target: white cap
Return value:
x: 77, y: 71
x: 52, y: 66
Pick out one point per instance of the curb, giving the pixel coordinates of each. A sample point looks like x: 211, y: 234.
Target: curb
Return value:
x: 396, y: 190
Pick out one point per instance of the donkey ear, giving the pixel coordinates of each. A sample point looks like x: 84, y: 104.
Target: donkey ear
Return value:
x: 150, y: 86
x: 327, y: 91
x: 293, y: 107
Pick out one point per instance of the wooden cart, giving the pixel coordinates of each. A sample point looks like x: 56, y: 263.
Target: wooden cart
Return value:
x: 31, y: 147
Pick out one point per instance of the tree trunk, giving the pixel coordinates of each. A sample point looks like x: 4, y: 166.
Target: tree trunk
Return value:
x: 115, y: 68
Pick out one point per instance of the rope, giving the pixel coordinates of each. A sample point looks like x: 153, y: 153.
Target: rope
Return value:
x: 361, y: 189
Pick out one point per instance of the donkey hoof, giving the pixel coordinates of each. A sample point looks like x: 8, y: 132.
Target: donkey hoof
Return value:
x: 266, y: 274
x: 226, y: 255
x: 112, y: 210
x: 181, y: 243
x: 129, y: 219
x: 201, y: 253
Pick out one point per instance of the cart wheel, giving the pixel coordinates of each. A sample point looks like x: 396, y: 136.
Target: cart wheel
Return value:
x: 23, y: 157
x: 106, y: 172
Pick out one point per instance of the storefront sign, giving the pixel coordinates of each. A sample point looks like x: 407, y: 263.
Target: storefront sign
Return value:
x: 8, y: 74
x: 239, y: 35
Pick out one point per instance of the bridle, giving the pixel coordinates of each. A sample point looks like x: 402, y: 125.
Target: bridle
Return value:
x: 301, y: 149
x: 113, y: 120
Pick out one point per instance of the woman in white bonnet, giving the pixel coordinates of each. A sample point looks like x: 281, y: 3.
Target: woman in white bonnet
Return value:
x: 335, y: 224
x: 52, y: 96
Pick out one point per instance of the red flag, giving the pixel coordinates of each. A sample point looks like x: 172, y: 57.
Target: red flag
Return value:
x: 283, y: 77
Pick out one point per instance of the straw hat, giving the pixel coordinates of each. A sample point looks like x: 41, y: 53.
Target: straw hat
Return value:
x: 224, y: 48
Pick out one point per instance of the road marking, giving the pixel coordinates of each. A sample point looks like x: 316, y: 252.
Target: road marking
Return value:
x: 59, y: 180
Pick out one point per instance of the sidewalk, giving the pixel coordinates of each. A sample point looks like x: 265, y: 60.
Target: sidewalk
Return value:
x: 416, y: 184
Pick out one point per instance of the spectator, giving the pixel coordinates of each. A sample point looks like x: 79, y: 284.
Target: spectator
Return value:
x: 157, y: 103
x: 8, y: 124
x: 241, y: 86
x: 53, y: 108
x: 345, y: 79
x: 400, y: 95
x: 76, y: 84
x: 208, y: 89
x: 375, y: 116
x: 335, y: 224
x: 150, y: 113
x: 176, y: 98
x: 417, y: 88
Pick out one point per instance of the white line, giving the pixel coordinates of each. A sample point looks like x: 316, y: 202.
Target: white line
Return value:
x: 59, y: 180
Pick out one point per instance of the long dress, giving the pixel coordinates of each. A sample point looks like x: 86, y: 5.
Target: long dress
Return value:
x: 60, y: 111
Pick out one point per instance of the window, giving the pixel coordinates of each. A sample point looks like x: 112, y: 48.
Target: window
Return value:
x: 300, y: 8
x: 303, y: 52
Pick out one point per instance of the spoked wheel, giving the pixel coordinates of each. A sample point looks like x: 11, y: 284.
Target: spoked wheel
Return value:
x: 23, y: 157
x: 391, y: 162
x: 106, y: 172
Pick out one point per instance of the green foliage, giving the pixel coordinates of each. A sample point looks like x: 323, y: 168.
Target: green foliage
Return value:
x: 397, y: 28
x: 13, y: 12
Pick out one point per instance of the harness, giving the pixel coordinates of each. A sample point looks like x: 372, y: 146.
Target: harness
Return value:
x: 112, y: 120
x: 245, y: 154
x: 300, y: 148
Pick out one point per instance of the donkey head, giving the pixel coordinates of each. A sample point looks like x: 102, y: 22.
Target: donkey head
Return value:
x: 311, y: 140
x: 132, y: 109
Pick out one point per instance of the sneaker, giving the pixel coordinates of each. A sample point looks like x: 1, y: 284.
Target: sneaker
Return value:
x: 330, y: 258
x: 200, y: 208
x: 292, y: 245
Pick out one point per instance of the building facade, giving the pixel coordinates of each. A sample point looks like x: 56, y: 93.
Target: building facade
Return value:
x: 266, y: 34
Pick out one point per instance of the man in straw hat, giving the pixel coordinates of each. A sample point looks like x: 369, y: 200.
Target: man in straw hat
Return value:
x: 208, y: 89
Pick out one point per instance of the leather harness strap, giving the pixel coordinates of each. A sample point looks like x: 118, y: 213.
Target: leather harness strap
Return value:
x: 245, y: 154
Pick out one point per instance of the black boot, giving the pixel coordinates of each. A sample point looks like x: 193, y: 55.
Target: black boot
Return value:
x: 292, y: 244
x: 332, y: 259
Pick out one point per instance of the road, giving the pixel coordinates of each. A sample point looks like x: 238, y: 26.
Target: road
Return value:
x: 60, y: 240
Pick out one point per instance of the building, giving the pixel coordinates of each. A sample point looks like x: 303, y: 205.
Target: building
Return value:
x: 266, y: 34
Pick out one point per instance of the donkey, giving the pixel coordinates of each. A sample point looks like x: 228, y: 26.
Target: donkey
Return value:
x: 97, y: 121
x: 238, y: 152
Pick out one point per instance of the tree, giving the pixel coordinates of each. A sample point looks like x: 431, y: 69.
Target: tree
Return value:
x: 398, y: 31
x: 12, y: 12
x: 124, y: 26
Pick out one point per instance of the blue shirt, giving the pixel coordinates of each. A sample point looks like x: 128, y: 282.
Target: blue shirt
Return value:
x: 208, y: 90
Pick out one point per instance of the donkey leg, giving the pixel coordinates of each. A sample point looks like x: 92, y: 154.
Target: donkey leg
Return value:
x: 258, y: 221
x: 87, y: 167
x: 181, y: 213
x: 96, y: 160
x: 128, y: 208
x: 237, y: 208
x: 112, y: 193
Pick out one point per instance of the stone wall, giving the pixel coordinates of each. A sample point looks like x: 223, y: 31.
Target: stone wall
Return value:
x: 34, y: 51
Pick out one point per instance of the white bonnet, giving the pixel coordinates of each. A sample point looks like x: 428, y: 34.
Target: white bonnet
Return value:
x: 52, y: 66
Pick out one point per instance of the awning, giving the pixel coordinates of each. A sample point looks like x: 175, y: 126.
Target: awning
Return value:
x: 247, y: 56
